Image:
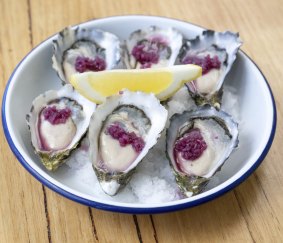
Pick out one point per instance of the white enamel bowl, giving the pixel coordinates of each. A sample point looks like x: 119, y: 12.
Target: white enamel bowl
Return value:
x: 34, y: 75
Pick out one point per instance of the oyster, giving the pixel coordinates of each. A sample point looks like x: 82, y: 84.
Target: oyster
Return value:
x: 57, y: 121
x: 121, y: 132
x: 215, y: 52
x: 152, y: 47
x: 198, y: 143
x: 80, y: 50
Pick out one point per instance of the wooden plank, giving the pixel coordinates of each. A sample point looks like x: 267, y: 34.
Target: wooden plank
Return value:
x: 115, y: 227
x: 218, y: 221
x: 258, y: 211
x: 69, y: 221
x: 22, y: 199
x: 148, y: 233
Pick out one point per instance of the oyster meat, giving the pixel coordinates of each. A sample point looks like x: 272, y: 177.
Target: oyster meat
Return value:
x: 57, y: 121
x: 152, y: 47
x: 215, y: 52
x: 79, y: 50
x: 121, y: 132
x: 197, y: 145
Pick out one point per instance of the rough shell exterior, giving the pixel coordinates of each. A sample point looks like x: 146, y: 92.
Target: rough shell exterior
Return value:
x: 69, y: 36
x: 53, y: 159
x: 157, y: 114
x: 192, y: 184
x: 212, y: 42
x: 172, y: 36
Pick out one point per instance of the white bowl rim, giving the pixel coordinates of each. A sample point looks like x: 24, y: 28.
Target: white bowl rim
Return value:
x: 125, y: 207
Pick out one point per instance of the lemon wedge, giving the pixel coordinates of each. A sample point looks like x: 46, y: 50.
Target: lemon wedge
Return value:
x: 163, y: 82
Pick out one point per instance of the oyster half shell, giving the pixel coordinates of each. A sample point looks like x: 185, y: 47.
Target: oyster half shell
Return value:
x: 58, y: 120
x: 121, y: 132
x: 79, y: 50
x: 152, y: 47
x: 216, y: 53
x: 197, y: 145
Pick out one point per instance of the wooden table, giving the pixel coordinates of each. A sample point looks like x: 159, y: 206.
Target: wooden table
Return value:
x: 253, y: 211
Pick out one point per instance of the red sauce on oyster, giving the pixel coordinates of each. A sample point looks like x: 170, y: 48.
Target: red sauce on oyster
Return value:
x: 207, y: 63
x: 56, y: 116
x: 125, y: 138
x: 191, y: 145
x: 84, y: 64
x: 148, y: 53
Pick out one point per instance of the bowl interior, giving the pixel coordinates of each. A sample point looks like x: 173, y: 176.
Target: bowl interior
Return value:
x: 35, y: 75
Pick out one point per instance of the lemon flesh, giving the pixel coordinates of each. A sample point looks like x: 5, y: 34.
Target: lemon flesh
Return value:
x: 163, y: 82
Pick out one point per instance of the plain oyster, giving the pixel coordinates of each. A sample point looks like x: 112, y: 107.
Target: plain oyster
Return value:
x: 152, y: 47
x: 121, y: 132
x: 57, y: 121
x: 197, y: 145
x: 215, y: 52
x: 79, y: 50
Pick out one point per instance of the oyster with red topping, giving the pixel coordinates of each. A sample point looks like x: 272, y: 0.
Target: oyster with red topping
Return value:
x: 79, y: 50
x: 58, y: 121
x: 215, y: 52
x: 152, y: 47
x: 121, y: 132
x: 197, y: 145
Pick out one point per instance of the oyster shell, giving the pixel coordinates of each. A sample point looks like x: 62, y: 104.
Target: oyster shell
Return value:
x: 121, y: 132
x: 57, y: 121
x: 197, y: 145
x: 80, y: 50
x: 215, y: 52
x: 152, y: 47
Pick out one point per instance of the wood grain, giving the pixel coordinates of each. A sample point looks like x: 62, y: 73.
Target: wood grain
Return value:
x: 121, y: 226
x: 218, y: 221
x: 22, y: 200
x: 253, y: 212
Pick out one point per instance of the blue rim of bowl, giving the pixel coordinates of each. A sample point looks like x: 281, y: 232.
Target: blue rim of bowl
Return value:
x: 132, y: 210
